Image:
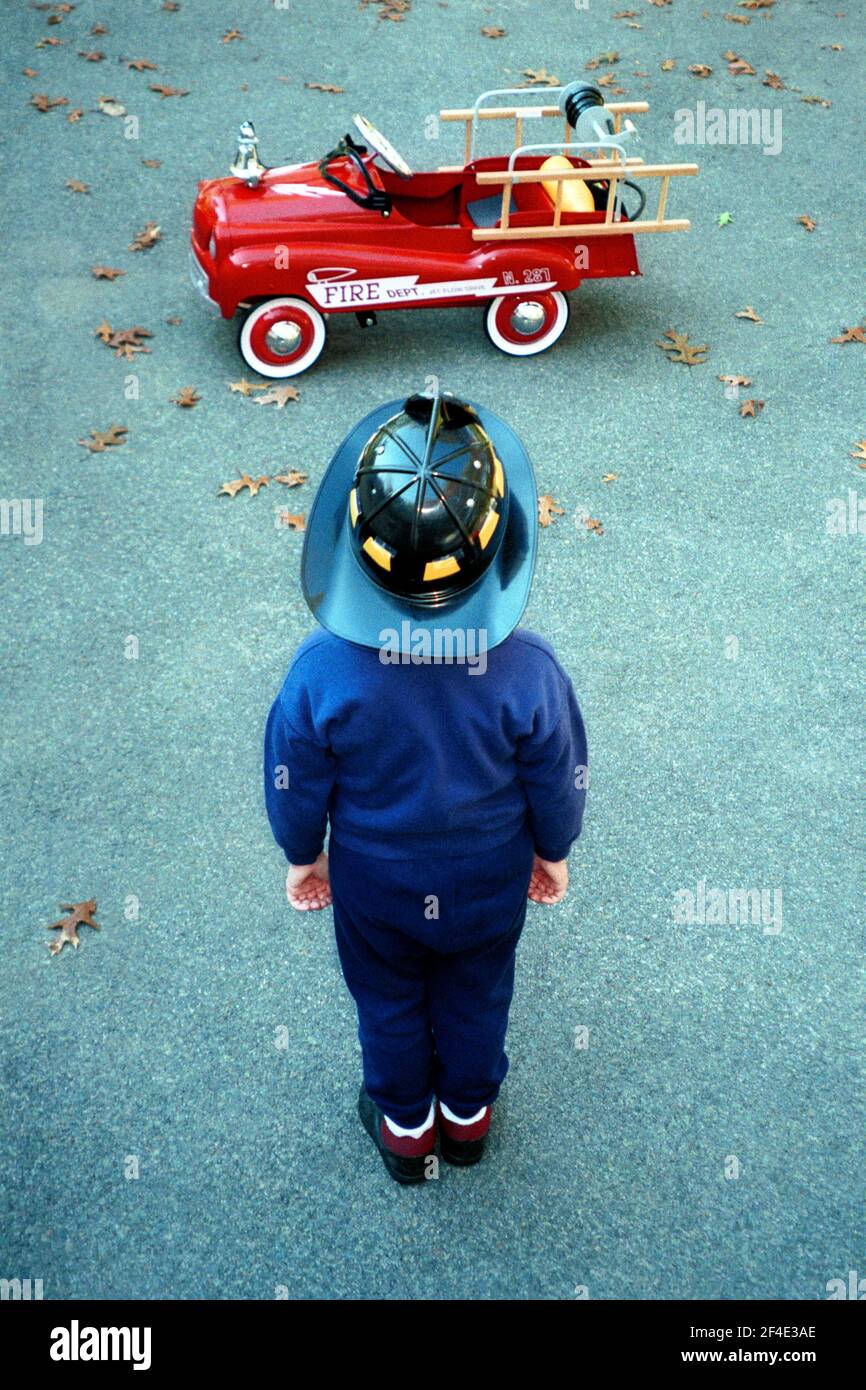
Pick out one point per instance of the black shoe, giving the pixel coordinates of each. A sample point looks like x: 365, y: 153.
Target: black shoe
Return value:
x: 462, y: 1152
x: 403, y: 1168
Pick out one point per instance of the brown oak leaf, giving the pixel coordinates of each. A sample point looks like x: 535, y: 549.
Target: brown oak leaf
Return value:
x: 609, y: 477
x: 593, y: 524
x: 152, y: 163
x: 110, y: 107
x: 539, y: 77
x: 231, y: 35
x: 296, y: 521
x: 291, y: 479
x: 186, y: 397
x: 43, y: 103
x: 816, y: 101
x: 548, y: 509
x: 748, y: 313
x: 851, y: 335
x: 278, y: 395
x: 76, y: 186
x: 140, y: 65
x: 93, y: 56
x: 700, y: 70
x: 245, y: 387
x: 808, y: 222
x: 323, y: 87
x: 751, y: 408
x: 681, y: 350
x: 101, y: 440
x: 73, y: 116
x: 149, y: 235
x: 232, y: 489
x: 772, y: 79
x: 166, y: 91
x: 493, y: 31
x: 860, y: 451
x: 79, y: 915
x: 731, y: 379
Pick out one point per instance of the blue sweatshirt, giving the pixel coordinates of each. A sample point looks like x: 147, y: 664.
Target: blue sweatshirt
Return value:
x: 415, y: 760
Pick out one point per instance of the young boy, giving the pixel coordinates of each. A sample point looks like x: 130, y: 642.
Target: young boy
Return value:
x: 445, y: 748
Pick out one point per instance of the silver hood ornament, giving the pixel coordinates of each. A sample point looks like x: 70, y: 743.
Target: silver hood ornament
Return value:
x: 247, y: 165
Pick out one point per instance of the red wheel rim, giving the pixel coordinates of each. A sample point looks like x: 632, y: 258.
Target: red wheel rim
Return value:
x: 263, y: 326
x: 503, y: 315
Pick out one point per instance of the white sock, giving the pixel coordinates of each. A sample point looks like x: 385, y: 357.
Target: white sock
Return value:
x: 412, y: 1133
x: 456, y: 1120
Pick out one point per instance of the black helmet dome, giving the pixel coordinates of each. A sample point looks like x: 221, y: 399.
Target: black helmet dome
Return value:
x: 429, y: 500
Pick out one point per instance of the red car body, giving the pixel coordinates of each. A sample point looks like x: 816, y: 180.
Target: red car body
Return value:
x: 297, y: 240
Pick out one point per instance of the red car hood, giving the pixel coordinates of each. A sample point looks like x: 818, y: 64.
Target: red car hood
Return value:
x: 290, y: 193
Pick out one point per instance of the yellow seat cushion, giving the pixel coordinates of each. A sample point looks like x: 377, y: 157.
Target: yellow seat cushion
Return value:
x: 576, y: 196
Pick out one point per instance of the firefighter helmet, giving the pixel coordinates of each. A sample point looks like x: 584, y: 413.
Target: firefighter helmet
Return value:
x: 428, y: 510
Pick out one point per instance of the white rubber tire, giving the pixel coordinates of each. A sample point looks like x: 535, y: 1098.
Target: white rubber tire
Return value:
x: 298, y: 309
x: 516, y: 348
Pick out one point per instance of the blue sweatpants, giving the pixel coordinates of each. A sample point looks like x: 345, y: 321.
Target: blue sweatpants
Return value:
x: 427, y: 951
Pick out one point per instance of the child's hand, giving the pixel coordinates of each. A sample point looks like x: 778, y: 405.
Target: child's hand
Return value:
x: 308, y: 886
x: 549, y: 882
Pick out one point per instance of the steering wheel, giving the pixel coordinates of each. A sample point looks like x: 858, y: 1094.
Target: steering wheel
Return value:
x: 382, y: 147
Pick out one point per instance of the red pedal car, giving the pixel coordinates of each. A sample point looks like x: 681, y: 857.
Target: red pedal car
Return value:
x: 359, y: 232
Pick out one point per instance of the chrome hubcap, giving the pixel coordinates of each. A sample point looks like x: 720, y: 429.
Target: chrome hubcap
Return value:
x: 528, y: 317
x: 283, y: 338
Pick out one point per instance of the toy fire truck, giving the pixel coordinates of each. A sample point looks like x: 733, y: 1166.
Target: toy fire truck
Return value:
x: 359, y: 232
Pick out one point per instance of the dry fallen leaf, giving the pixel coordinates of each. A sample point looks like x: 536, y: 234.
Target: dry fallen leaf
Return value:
x: 76, y: 186
x: 493, y: 31
x: 140, y: 65
x: 611, y: 57
x: 772, y: 79
x: 245, y: 387
x: 700, y: 70
x: 296, y: 521
x: 539, y: 78
x: 593, y: 524
x: 109, y: 107
x: 278, y: 395
x: 80, y: 914
x: 29, y: 72
x: 748, y: 313
x: 73, y: 116
x: 186, y: 397
x: 751, y: 408
x: 291, y: 479
x: 231, y: 489
x: 323, y: 87
x: 149, y: 235
x: 808, y: 222
x: 126, y: 341
x: 738, y: 67
x: 231, y: 35
x: 730, y: 379
x: 681, y: 350
x: 93, y: 56
x: 166, y: 91
x: 152, y: 163
x: 548, y: 510
x: 668, y: 65
x: 45, y: 103
x: 737, y: 18
x: 609, y: 477
x: 851, y: 335
x: 816, y: 101
x: 860, y: 451
x: 101, y: 440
